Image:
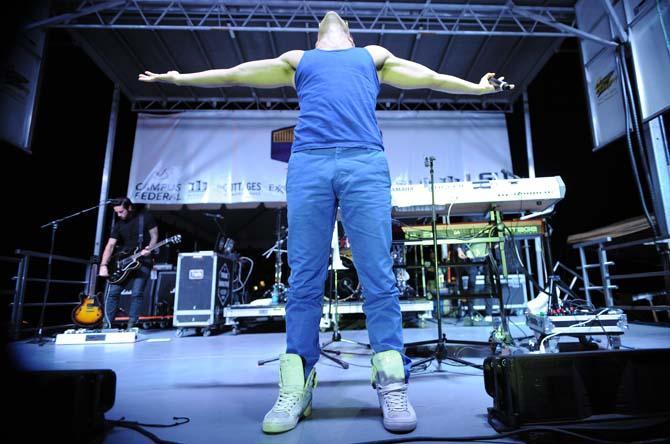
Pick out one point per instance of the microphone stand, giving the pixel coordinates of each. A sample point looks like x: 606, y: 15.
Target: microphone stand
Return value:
x: 215, y: 218
x: 440, y: 353
x: 39, y: 338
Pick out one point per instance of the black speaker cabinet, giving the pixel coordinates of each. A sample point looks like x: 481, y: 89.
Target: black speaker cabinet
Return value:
x: 147, y: 306
x: 164, y: 292
x: 61, y: 405
x: 536, y: 389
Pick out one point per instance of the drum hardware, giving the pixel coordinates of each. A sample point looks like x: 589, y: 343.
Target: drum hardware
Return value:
x: 398, y: 253
x: 336, y: 265
x: 278, y: 293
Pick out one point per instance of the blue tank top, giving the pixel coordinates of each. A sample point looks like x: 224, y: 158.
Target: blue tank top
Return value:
x: 337, y: 92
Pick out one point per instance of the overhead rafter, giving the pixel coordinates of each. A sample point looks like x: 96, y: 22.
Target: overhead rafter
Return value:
x: 461, y: 18
x: 174, y: 104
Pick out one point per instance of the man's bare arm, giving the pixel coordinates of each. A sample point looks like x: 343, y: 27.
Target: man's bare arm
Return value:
x: 154, y: 240
x: 268, y: 73
x: 106, y: 256
x: 405, y: 74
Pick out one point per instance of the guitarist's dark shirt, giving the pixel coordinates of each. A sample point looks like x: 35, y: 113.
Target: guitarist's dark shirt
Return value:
x: 126, y: 232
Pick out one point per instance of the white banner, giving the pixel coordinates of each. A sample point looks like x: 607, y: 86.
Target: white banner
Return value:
x: 223, y: 157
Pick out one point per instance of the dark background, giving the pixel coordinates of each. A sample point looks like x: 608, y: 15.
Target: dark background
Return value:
x: 63, y: 173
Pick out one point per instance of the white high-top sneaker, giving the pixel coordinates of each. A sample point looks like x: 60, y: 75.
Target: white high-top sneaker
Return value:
x: 295, y: 395
x: 388, y: 378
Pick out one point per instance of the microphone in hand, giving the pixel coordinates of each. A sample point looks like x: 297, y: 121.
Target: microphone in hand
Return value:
x: 501, y: 84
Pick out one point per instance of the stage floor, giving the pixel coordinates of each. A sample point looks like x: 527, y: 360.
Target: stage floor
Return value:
x: 216, y: 382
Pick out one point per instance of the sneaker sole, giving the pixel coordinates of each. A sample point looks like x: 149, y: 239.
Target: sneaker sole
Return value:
x: 399, y: 428
x: 281, y: 428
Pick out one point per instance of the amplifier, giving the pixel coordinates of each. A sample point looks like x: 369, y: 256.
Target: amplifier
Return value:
x: 204, y: 286
x: 146, y: 308
x: 513, y: 288
x: 158, y: 298
x: 164, y: 293
x: 573, y: 387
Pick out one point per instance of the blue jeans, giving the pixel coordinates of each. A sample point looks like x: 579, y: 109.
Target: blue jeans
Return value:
x: 135, y: 283
x: 357, y: 180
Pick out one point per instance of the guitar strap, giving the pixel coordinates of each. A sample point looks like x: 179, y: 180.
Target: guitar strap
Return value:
x: 140, y: 235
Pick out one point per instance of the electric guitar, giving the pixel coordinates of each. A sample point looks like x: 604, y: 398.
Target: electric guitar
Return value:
x: 89, y: 312
x: 124, y: 263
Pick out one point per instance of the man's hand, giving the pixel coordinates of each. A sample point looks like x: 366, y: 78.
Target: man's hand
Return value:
x: 461, y: 255
x: 487, y: 86
x: 145, y: 252
x: 168, y: 77
x: 103, y: 271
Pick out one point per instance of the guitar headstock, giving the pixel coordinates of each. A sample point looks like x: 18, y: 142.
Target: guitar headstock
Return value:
x: 174, y: 239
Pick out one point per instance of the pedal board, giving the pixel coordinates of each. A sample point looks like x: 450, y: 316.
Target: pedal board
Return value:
x: 103, y: 336
x: 578, y: 324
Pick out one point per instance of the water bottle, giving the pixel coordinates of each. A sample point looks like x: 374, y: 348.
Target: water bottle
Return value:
x: 275, y: 296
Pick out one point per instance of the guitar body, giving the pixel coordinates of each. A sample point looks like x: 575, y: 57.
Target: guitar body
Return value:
x: 126, y: 262
x: 123, y: 267
x: 89, y: 313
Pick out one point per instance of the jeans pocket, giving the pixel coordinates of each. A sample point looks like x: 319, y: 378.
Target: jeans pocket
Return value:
x: 382, y: 161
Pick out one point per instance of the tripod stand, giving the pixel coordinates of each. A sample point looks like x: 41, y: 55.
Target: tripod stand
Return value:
x: 440, y: 353
x: 39, y: 337
x: 279, y: 286
x: 335, y: 265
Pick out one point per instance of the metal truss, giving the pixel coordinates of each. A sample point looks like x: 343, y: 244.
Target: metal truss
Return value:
x: 171, y: 104
x: 463, y: 18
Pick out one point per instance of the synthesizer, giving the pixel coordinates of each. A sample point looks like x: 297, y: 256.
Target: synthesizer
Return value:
x: 478, y: 197
x: 522, y: 229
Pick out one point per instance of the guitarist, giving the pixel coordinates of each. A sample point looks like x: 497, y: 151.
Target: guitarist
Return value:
x: 132, y: 229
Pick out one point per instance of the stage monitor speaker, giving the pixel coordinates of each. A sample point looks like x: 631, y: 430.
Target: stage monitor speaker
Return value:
x: 534, y: 389
x: 61, y: 405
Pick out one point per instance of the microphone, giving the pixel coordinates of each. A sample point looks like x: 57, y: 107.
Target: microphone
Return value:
x: 500, y: 84
x: 113, y: 202
x: 215, y: 216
